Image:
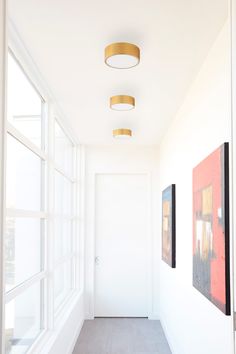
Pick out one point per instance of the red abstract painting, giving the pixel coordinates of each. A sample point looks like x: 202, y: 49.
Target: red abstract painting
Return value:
x: 211, y: 228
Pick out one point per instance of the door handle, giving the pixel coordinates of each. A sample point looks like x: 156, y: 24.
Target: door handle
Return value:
x: 97, y: 260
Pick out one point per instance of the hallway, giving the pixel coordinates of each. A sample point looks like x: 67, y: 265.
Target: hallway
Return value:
x: 122, y: 336
x: 117, y: 170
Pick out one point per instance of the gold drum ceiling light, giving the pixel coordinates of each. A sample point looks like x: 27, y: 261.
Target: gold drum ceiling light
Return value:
x: 122, y: 133
x: 122, y: 55
x: 122, y: 102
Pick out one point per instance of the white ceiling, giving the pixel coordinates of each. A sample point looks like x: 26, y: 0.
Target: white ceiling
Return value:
x: 66, y: 39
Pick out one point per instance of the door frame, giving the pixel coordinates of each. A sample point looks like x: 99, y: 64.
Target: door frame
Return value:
x: 91, y: 304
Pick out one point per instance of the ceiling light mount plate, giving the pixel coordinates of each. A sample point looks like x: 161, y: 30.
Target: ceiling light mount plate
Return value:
x: 122, y: 133
x: 122, y: 55
x: 122, y: 102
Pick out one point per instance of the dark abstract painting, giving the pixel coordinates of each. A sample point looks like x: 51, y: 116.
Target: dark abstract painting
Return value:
x: 211, y: 228
x: 168, y: 226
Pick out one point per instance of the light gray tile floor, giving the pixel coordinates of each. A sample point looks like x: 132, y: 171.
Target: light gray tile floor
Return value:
x: 122, y: 336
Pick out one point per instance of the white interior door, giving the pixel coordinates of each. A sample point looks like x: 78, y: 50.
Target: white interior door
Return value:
x: 121, y: 245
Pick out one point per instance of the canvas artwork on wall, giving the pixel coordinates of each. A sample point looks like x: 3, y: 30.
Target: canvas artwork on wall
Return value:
x: 168, y: 226
x: 211, y: 228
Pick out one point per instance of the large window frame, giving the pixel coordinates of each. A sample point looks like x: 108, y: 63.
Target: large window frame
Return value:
x: 71, y: 218
x: 51, y: 114
x: 41, y: 215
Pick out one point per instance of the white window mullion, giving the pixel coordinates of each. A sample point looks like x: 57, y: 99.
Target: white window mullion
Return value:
x: 26, y: 142
x: 50, y: 225
x: 10, y: 295
x: 80, y: 221
x: 19, y: 213
x: 44, y: 137
x: 76, y: 234
x: 60, y: 170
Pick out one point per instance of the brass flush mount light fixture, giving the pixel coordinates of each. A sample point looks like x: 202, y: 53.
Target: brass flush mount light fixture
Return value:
x: 122, y: 102
x: 122, y: 55
x: 122, y: 133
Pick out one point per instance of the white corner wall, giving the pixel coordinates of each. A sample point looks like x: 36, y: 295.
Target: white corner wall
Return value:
x: 193, y: 324
x: 122, y: 159
x: 2, y: 142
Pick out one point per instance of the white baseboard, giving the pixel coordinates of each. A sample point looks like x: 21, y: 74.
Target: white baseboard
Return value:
x: 168, y: 337
x: 154, y: 318
x: 151, y: 317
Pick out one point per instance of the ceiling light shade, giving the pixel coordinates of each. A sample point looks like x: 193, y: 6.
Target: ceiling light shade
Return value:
x: 122, y: 55
x: 122, y: 102
x: 122, y: 133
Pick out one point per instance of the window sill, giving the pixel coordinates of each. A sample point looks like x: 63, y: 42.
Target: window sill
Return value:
x: 48, y: 337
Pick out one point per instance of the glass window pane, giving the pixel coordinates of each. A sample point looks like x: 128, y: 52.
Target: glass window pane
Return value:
x: 62, y: 245
x: 23, y: 321
x: 62, y: 283
x: 22, y: 250
x: 63, y: 201
x: 23, y: 177
x: 24, y: 103
x: 63, y: 151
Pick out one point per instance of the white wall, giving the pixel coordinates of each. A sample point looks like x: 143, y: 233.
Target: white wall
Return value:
x: 2, y: 127
x: 233, y: 44
x: 122, y: 159
x: 192, y: 323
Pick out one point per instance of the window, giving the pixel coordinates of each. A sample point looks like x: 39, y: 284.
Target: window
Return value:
x: 40, y: 253
x: 26, y: 217
x: 63, y: 195
x: 23, y: 319
x: 62, y: 282
x: 25, y: 106
x: 63, y: 151
x: 22, y: 235
x: 24, y: 174
x: 64, y: 214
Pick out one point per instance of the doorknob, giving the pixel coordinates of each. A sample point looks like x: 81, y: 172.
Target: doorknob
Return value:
x: 97, y: 260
